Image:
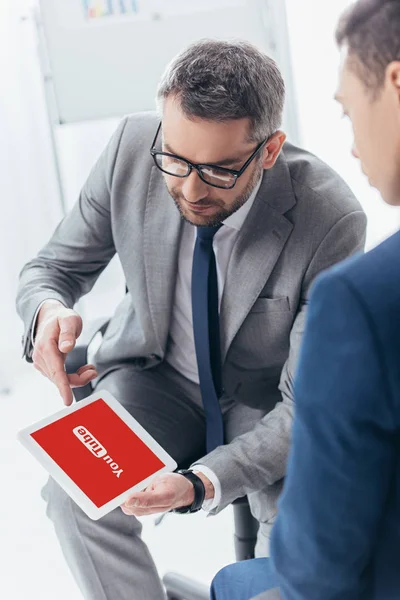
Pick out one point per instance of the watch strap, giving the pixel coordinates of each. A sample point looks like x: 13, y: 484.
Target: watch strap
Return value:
x: 199, y: 493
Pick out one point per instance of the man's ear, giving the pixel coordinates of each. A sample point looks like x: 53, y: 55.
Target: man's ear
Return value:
x: 272, y: 149
x: 393, y: 77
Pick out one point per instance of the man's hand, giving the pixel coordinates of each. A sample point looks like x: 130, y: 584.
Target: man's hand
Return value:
x: 56, y: 333
x: 166, y: 492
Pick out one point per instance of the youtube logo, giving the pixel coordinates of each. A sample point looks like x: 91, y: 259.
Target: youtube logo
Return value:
x: 96, y: 448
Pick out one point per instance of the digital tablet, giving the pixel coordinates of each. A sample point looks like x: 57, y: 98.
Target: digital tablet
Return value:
x: 97, y: 452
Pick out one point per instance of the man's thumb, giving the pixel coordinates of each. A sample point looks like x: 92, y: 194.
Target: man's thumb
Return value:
x: 68, y: 333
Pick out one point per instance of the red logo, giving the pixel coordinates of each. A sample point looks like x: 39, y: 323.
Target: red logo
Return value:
x: 96, y: 448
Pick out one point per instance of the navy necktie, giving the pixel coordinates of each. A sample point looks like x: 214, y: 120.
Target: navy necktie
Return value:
x: 206, y: 333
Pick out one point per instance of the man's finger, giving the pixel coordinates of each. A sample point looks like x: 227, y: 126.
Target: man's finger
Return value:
x: 66, y: 394
x: 56, y: 373
x: 83, y: 376
x: 151, y: 500
x: 39, y: 368
x: 70, y: 329
x: 143, y: 512
x: 84, y: 368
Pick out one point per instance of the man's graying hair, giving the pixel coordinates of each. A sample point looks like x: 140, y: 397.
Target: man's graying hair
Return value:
x: 371, y: 29
x: 221, y: 81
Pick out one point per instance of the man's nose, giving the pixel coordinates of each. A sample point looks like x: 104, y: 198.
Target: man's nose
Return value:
x: 195, y: 189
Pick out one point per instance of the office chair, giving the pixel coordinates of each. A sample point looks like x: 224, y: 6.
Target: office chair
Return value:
x: 178, y: 587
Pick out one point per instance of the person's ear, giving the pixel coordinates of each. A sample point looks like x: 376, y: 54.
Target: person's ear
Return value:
x: 393, y: 77
x: 272, y: 149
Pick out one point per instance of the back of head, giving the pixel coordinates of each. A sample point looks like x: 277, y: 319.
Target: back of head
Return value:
x: 220, y: 81
x: 369, y: 89
x: 371, y: 31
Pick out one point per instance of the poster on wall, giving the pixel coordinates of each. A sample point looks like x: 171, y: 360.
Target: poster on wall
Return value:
x: 95, y: 10
x: 99, y: 9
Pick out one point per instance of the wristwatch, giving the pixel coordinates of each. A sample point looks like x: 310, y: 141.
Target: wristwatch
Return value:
x: 199, y: 493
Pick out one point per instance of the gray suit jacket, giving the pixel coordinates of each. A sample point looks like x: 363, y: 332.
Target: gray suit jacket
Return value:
x: 303, y: 220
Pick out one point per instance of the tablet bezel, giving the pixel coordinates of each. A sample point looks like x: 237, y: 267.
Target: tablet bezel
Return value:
x: 72, y: 489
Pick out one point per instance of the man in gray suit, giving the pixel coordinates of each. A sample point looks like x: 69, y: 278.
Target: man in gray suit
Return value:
x: 203, y: 347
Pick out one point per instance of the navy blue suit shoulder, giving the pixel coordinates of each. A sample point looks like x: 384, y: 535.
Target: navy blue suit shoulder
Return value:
x: 374, y: 281
x: 337, y: 536
x: 375, y: 274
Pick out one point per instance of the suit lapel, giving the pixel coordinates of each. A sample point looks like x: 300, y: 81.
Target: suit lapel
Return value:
x: 256, y: 250
x: 162, y: 229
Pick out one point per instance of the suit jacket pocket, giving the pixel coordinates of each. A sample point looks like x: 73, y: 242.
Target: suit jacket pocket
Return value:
x: 262, y: 341
x: 262, y: 305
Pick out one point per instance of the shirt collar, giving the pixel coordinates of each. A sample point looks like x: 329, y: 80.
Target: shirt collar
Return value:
x: 236, y: 220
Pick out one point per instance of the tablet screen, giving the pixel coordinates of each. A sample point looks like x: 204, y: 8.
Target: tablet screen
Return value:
x: 97, y: 451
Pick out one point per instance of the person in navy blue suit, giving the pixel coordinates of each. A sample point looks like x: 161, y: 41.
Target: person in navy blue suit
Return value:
x: 337, y: 535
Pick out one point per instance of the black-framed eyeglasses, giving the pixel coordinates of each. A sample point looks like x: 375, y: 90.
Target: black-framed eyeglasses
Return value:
x: 213, y: 175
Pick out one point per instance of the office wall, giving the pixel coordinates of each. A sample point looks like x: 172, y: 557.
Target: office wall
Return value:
x: 28, y: 191
x: 29, y: 197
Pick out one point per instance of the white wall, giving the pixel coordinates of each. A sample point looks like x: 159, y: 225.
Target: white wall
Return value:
x: 28, y: 192
x: 29, y: 195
